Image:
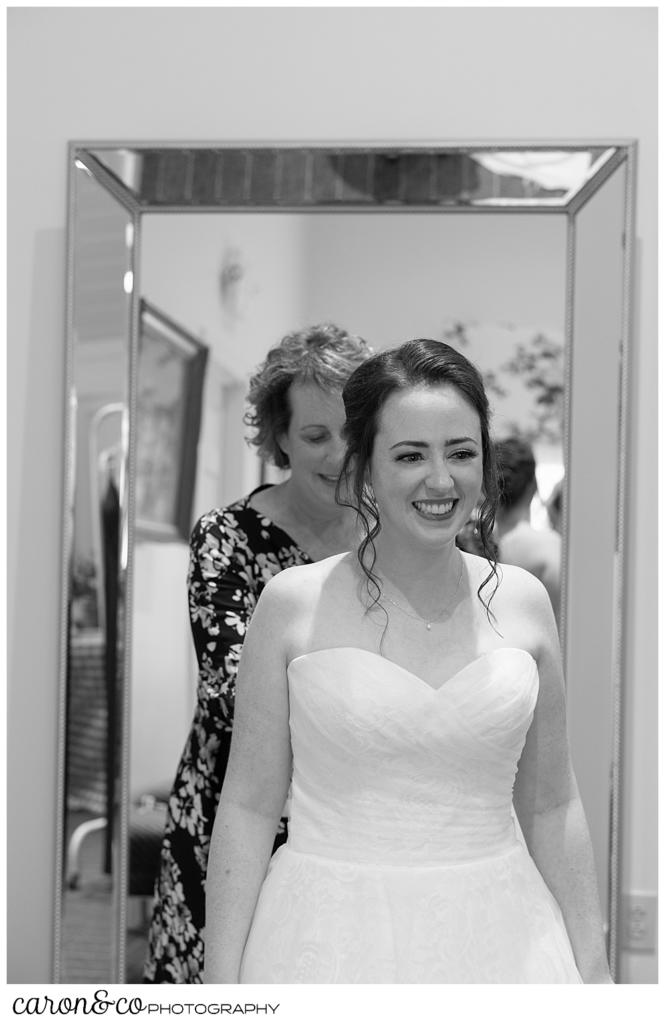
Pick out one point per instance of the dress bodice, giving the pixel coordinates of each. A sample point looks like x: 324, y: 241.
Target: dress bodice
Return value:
x: 387, y: 769
x: 403, y: 864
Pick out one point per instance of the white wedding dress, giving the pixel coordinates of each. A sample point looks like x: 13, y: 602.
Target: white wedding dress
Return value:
x: 403, y: 863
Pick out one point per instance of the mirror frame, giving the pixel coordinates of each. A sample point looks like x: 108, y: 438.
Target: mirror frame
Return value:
x: 88, y: 154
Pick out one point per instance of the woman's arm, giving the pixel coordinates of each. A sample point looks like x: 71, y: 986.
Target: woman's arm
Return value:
x: 255, y: 786
x: 548, y: 804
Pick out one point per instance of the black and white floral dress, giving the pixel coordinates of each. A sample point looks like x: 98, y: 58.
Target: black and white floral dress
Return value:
x: 234, y: 552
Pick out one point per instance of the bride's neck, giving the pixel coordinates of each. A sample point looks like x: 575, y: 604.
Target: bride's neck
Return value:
x: 417, y: 571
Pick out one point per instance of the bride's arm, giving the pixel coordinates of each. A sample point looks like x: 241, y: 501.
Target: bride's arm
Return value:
x: 255, y: 788
x: 548, y: 804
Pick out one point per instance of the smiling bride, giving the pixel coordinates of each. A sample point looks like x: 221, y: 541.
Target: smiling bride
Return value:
x: 411, y: 697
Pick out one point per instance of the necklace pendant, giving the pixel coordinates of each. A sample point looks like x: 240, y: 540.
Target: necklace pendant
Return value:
x: 428, y: 625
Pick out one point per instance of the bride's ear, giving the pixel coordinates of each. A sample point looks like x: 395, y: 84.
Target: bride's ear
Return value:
x: 368, y: 490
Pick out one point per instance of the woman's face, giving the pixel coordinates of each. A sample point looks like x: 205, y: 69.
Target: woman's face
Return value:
x: 314, y: 442
x: 426, y: 469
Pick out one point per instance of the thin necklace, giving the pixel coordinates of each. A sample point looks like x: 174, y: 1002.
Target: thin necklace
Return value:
x: 420, y: 618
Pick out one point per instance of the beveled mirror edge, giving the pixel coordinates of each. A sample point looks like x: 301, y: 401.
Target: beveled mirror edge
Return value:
x: 127, y: 531
x: 601, y: 142
x: 619, y: 682
x: 605, y: 171
x: 627, y: 153
x: 84, y: 158
x: 566, y: 431
x: 69, y: 481
x: 629, y: 148
x: 69, y: 442
x: 497, y: 204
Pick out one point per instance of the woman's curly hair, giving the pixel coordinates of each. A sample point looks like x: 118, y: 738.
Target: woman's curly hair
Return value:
x: 419, y: 363
x: 325, y: 355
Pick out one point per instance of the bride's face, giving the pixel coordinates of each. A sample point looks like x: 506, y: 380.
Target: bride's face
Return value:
x: 426, y: 469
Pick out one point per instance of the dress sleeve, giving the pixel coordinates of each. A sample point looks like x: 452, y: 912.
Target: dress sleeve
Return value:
x: 221, y: 602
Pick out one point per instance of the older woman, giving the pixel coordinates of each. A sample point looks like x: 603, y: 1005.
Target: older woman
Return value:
x: 296, y: 410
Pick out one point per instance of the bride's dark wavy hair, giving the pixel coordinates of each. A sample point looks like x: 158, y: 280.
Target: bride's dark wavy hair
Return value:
x: 418, y: 363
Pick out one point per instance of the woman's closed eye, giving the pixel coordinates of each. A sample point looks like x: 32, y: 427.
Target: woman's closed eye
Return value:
x: 316, y: 438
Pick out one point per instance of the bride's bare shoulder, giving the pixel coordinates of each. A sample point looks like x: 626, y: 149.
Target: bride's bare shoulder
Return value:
x: 520, y: 596
x: 302, y: 582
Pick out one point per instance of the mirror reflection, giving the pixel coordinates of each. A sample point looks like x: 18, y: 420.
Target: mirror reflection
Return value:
x: 243, y: 283
x: 213, y: 291
x: 101, y: 318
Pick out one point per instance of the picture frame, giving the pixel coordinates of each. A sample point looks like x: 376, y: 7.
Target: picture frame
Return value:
x: 171, y: 374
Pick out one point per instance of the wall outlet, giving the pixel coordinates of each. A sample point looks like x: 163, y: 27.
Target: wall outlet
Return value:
x: 639, y: 917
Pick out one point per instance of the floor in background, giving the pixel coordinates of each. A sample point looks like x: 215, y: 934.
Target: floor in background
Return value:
x: 87, y: 927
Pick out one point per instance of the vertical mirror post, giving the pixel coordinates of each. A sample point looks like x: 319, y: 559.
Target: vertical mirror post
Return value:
x: 101, y: 239
x: 594, y: 610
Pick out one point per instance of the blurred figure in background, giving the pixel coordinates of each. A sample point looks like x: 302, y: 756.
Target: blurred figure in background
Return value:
x: 537, y: 551
x: 469, y: 540
x: 554, y: 509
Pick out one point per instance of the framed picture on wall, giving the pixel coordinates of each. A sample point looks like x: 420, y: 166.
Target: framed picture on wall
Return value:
x: 171, y: 374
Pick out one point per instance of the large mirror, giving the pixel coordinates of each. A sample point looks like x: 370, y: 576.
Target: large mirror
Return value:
x: 186, y: 263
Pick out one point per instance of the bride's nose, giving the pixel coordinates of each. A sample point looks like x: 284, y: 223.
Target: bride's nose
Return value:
x: 439, y: 478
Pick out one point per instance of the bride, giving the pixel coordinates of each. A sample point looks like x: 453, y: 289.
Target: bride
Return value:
x: 410, y: 696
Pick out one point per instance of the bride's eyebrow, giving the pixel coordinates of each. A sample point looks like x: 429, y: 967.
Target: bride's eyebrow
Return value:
x: 423, y: 444
x: 411, y: 444
x: 462, y: 440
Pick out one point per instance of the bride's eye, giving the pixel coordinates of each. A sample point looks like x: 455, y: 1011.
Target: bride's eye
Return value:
x: 409, y: 457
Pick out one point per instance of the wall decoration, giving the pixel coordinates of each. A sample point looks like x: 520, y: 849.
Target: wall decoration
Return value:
x: 171, y: 372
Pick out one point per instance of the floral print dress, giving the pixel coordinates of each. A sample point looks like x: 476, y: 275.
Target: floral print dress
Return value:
x: 234, y: 552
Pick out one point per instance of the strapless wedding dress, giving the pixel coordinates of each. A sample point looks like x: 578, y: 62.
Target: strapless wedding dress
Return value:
x: 403, y: 862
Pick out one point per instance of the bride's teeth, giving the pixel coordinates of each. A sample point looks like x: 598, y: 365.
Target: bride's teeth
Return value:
x: 437, y: 510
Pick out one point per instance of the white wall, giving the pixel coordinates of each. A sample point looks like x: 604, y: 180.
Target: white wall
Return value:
x: 395, y: 74
x: 391, y: 278
x: 181, y: 260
